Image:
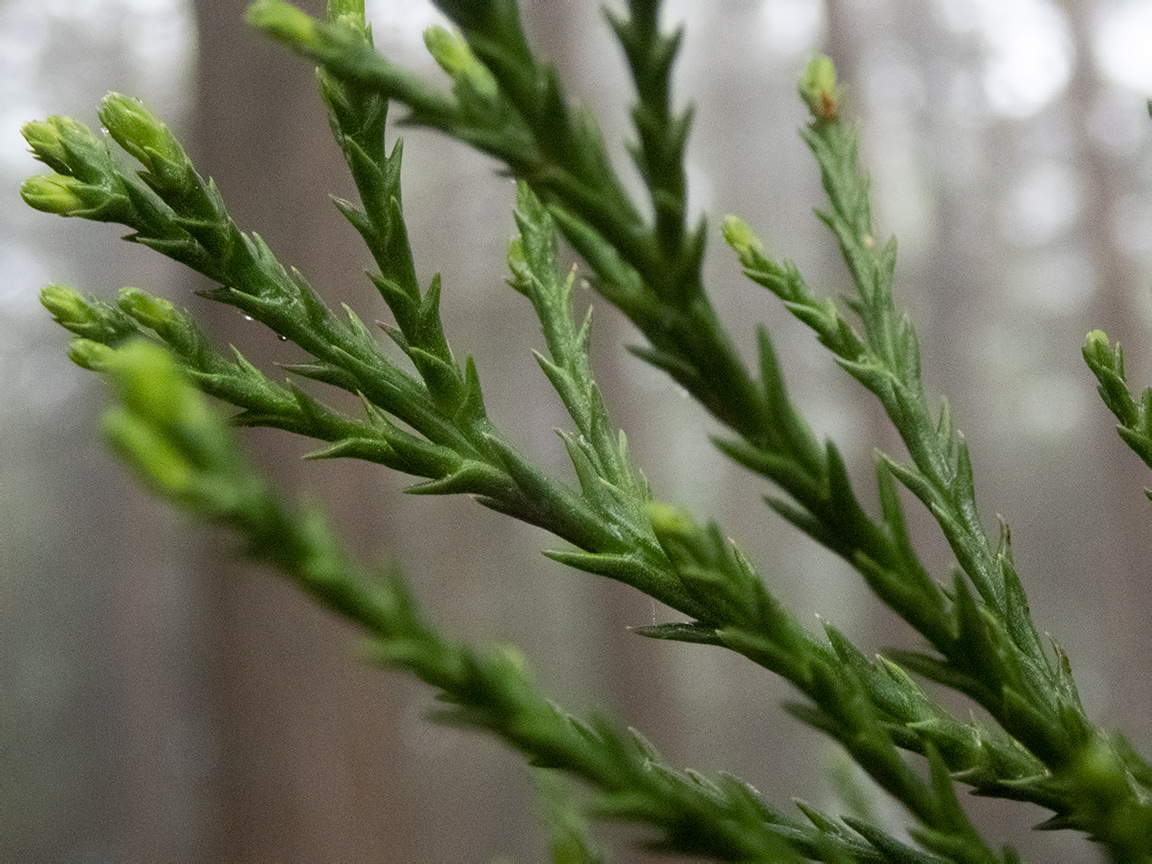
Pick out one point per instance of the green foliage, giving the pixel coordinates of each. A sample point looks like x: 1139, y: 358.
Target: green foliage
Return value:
x: 1107, y: 364
x: 979, y: 638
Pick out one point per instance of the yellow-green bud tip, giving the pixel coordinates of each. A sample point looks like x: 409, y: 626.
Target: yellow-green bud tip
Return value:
x: 349, y: 12
x: 283, y: 21
x: 148, y: 452
x: 151, y: 385
x: 740, y: 237
x: 54, y: 194
x: 66, y: 305
x: 1096, y: 336
x: 668, y: 518
x: 90, y: 355
x: 454, y: 56
x: 819, y: 90
x: 512, y: 656
x: 518, y: 264
x: 139, y: 131
x: 43, y: 136
x: 153, y: 312
x: 448, y: 49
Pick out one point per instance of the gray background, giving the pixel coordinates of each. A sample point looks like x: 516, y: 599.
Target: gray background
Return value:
x: 158, y: 702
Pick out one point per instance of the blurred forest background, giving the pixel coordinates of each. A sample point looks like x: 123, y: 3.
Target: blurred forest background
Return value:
x: 159, y: 702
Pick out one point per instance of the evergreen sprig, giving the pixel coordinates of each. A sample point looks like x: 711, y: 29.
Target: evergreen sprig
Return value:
x: 1107, y: 364
x: 509, y: 105
x: 990, y: 648
x: 184, y: 452
x: 456, y: 446
x: 645, y: 259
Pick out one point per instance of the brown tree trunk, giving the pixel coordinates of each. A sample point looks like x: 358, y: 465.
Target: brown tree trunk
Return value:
x: 308, y: 763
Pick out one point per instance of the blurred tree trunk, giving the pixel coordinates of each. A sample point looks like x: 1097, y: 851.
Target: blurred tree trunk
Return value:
x: 309, y: 764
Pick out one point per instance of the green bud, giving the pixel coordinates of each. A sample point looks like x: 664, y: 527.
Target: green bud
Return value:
x: 454, y: 56
x: 150, y: 384
x: 1100, y: 774
x: 69, y: 196
x: 90, y: 355
x: 43, y: 136
x: 67, y: 306
x: 819, y: 90
x: 90, y: 319
x: 141, y: 133
x: 153, y: 312
x: 167, y: 433
x: 511, y: 657
x: 283, y: 22
x: 669, y: 520
x: 69, y: 148
x: 348, y: 12
x: 148, y: 452
x: 1099, y: 352
x: 518, y: 264
x: 54, y: 194
x: 740, y: 237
